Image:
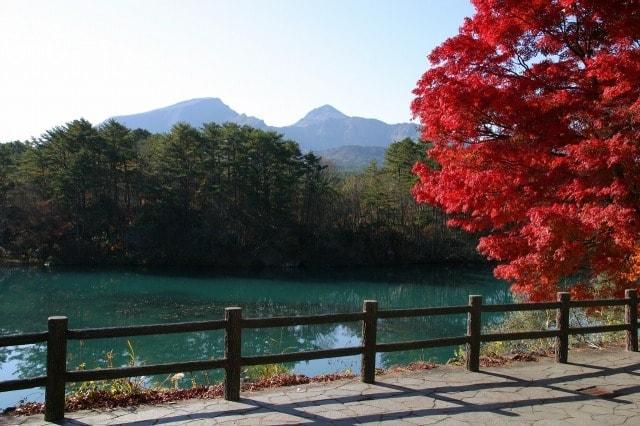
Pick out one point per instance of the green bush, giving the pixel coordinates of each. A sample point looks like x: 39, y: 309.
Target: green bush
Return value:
x: 264, y: 372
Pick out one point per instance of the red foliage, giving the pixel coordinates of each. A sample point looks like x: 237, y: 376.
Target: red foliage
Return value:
x: 534, y: 112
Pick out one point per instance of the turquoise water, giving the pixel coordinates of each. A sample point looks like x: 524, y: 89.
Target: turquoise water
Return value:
x: 98, y: 298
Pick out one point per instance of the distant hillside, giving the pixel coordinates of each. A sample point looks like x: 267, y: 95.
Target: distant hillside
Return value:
x: 353, y: 157
x: 321, y: 129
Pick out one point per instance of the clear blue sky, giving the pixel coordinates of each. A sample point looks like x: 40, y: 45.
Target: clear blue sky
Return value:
x: 274, y: 59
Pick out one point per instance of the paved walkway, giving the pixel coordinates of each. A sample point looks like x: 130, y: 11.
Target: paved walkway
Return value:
x: 596, y: 388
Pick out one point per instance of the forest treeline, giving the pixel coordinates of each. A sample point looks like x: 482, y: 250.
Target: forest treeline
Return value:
x: 220, y: 195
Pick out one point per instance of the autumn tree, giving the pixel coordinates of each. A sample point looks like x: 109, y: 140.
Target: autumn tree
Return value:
x: 534, y: 112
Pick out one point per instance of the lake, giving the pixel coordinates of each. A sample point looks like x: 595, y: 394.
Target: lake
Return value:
x: 100, y: 298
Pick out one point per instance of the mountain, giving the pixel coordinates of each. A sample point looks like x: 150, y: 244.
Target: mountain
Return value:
x: 353, y: 157
x: 321, y: 129
x: 326, y: 127
x: 194, y: 111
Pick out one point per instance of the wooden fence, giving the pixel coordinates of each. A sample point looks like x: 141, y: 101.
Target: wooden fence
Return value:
x: 58, y: 333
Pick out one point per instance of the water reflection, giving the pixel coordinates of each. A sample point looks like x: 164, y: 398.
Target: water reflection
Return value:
x: 108, y: 298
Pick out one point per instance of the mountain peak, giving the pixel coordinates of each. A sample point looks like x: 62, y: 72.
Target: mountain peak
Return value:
x: 325, y: 112
x: 196, y: 101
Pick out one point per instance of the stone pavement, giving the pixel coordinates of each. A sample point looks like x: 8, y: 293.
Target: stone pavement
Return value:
x: 597, y: 387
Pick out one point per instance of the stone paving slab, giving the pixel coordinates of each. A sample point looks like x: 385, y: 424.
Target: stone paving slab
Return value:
x: 596, y: 388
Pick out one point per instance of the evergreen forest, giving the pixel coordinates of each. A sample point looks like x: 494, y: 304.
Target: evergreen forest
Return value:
x: 220, y: 195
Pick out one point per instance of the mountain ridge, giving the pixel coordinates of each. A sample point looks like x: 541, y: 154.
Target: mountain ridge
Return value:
x: 321, y: 129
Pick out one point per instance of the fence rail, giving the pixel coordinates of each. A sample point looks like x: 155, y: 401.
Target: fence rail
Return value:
x: 145, y: 330
x: 23, y: 339
x: 58, y: 333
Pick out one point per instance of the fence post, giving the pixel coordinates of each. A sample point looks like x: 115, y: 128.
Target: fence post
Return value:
x: 474, y: 328
x: 562, y: 324
x: 56, y: 369
x: 369, y: 333
x: 232, y: 353
x: 631, y: 318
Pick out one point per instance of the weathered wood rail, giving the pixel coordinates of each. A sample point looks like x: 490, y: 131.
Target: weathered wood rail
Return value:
x: 58, y: 333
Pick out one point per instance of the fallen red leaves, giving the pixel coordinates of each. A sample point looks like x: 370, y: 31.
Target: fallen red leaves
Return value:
x: 414, y: 366
x: 496, y: 360
x: 107, y: 400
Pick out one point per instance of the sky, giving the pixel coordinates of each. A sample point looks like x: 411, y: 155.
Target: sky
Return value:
x: 273, y: 59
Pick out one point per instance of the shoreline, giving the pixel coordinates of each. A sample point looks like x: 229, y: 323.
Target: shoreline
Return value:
x: 14, y: 262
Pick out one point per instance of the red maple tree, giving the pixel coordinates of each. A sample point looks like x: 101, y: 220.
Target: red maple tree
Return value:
x: 534, y: 114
